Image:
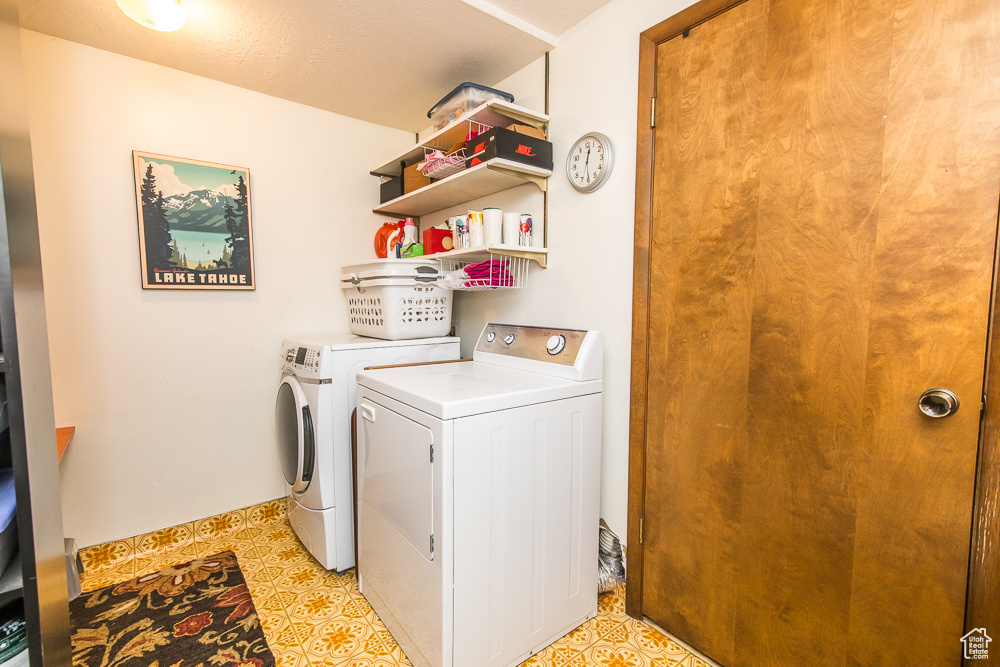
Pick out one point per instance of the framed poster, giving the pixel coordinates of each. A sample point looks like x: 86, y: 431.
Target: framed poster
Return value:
x: 194, y: 224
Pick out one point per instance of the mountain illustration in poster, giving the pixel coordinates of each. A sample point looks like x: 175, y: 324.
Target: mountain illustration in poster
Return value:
x: 194, y: 224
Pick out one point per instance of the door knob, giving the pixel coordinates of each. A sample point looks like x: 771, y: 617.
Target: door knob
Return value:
x: 938, y: 403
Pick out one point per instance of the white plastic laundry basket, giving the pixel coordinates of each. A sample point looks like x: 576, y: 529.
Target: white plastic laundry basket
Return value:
x: 397, y: 299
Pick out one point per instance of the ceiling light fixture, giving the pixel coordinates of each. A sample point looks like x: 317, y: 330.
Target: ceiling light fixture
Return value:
x: 162, y: 15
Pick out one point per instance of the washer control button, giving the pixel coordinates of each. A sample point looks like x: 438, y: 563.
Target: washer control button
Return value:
x: 555, y: 344
x: 509, y: 339
x: 491, y: 336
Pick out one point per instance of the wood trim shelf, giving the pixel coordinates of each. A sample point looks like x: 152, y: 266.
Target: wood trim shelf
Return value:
x: 468, y: 255
x: 492, y: 113
x: 484, y: 179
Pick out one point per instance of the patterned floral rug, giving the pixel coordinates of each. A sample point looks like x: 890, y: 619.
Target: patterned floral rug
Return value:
x: 190, y: 614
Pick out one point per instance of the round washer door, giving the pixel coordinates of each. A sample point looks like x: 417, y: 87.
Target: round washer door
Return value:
x: 293, y: 426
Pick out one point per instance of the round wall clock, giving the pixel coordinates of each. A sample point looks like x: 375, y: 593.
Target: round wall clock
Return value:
x: 590, y: 161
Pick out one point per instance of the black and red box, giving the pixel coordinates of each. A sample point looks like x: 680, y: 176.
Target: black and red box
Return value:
x: 511, y: 145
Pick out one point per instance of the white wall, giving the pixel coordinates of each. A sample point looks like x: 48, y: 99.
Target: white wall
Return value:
x: 172, y: 392
x: 593, y: 87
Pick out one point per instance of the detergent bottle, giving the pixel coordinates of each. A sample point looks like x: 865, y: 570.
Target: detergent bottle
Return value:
x: 396, y: 240
x: 409, y: 231
x: 382, y: 238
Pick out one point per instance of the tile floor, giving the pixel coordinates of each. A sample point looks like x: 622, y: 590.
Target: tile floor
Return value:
x: 316, y: 618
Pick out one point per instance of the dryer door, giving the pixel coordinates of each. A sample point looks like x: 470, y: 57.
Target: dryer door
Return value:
x: 398, y: 473
x: 293, y: 426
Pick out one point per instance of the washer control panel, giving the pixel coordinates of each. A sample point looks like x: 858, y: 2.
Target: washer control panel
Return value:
x: 556, y: 346
x: 303, y: 358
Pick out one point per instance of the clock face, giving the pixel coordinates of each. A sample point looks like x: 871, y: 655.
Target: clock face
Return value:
x: 589, y: 162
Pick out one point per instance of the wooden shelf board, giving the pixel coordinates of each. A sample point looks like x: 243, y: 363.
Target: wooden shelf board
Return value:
x: 483, y: 252
x: 492, y: 113
x: 484, y: 179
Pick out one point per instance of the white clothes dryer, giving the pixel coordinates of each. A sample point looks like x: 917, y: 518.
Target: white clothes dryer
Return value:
x: 478, y: 496
x: 312, y: 416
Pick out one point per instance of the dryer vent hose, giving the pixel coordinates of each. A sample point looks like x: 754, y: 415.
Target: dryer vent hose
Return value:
x: 610, y: 565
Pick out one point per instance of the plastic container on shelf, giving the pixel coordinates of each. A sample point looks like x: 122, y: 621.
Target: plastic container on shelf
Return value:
x: 461, y: 100
x: 397, y: 299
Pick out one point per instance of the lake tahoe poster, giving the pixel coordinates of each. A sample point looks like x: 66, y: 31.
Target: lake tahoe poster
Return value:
x: 194, y: 224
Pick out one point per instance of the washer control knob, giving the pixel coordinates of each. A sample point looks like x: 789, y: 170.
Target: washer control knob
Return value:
x: 491, y: 336
x: 509, y: 338
x: 290, y: 354
x: 555, y: 344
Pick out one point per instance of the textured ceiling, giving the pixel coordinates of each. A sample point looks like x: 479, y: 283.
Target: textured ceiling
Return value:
x: 386, y: 62
x: 553, y: 17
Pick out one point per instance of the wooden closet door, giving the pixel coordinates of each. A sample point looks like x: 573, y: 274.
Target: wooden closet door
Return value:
x: 824, y: 215
x: 705, y: 204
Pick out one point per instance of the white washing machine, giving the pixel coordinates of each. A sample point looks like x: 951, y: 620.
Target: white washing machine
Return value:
x: 312, y: 416
x: 478, y: 496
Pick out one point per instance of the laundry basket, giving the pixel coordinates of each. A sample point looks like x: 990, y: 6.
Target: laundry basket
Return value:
x: 397, y: 299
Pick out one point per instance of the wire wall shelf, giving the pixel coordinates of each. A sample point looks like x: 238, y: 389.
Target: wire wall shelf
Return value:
x: 495, y: 272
